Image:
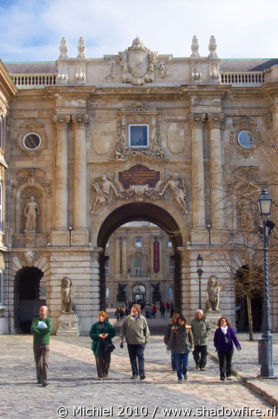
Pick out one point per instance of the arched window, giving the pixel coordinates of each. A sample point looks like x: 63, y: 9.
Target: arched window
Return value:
x: 1, y: 288
x: 1, y: 206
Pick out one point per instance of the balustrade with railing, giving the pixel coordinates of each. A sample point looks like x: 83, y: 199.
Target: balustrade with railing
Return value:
x: 27, y: 81
x: 39, y: 80
x: 248, y: 78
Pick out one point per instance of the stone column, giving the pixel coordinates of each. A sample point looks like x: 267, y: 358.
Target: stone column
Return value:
x: 216, y: 171
x: 198, y: 184
x: 80, y: 232
x: 185, y: 285
x: 60, y: 233
x: 124, y: 261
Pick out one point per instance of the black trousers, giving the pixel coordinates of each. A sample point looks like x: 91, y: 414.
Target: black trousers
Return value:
x: 103, y: 360
x: 200, y: 355
x: 225, y: 363
x: 41, y: 353
x: 136, y: 353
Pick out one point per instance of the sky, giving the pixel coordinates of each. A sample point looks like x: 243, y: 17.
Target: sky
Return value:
x: 31, y: 30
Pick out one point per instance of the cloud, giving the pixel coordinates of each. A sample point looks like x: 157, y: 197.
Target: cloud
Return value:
x: 31, y: 30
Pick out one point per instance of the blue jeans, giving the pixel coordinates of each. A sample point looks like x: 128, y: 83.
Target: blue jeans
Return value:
x: 136, y: 352
x: 173, y: 364
x: 181, y: 361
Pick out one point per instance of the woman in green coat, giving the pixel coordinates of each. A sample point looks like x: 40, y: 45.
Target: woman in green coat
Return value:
x: 101, y: 334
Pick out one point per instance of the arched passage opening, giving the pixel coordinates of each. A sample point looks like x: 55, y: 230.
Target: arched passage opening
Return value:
x: 141, y: 211
x: 29, y: 296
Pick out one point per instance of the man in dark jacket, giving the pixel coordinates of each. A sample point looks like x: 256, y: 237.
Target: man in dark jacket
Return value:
x: 40, y: 329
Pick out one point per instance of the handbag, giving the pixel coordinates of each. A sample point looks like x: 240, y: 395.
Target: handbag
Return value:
x: 108, y: 347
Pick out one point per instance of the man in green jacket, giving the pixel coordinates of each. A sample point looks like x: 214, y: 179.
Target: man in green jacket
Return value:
x: 200, y: 329
x: 136, y: 332
x: 40, y: 329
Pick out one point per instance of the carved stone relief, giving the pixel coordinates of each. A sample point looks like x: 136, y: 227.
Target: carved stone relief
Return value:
x: 175, y: 186
x: 138, y: 64
x: 105, y: 190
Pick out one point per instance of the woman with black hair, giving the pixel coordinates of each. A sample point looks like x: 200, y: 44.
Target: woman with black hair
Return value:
x: 180, y: 343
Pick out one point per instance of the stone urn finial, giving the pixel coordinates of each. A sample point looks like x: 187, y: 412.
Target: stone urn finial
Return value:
x: 195, y: 47
x: 81, y: 48
x: 212, y: 47
x: 63, y: 49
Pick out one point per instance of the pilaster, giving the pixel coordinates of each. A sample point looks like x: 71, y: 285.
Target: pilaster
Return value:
x: 80, y: 233
x: 198, y: 193
x: 60, y: 235
x: 216, y: 171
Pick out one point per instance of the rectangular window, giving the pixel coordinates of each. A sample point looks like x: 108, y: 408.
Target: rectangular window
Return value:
x: 1, y: 288
x: 138, y: 135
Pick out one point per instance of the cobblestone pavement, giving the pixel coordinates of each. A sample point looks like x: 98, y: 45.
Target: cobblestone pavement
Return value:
x: 73, y: 385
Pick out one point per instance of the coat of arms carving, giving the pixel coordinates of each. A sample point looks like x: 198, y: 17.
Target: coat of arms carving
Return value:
x: 138, y: 63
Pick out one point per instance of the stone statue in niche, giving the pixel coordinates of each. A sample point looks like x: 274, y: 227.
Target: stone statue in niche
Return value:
x: 103, y: 188
x: 31, y: 211
x: 213, y: 293
x: 66, y: 295
x: 156, y: 292
x: 175, y: 184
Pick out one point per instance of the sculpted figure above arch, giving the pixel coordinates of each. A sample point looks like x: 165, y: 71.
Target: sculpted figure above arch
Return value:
x: 175, y: 184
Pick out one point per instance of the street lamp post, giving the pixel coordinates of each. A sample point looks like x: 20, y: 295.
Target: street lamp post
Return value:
x: 265, y: 342
x: 200, y: 273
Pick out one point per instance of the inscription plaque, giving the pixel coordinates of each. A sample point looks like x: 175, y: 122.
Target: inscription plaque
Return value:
x: 139, y: 175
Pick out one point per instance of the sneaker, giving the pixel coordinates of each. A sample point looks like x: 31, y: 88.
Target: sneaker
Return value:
x: 222, y: 379
x: 179, y: 381
x: 134, y: 377
x: 44, y: 383
x: 142, y: 377
x: 197, y: 366
x: 202, y: 369
x: 185, y: 377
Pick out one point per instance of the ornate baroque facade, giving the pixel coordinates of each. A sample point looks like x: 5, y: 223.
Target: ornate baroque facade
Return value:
x: 91, y: 144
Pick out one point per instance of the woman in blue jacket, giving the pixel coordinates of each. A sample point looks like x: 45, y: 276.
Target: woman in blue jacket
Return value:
x: 101, y: 333
x: 224, y: 341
